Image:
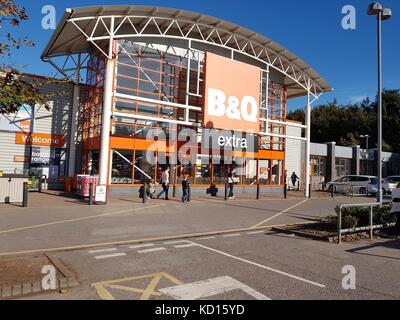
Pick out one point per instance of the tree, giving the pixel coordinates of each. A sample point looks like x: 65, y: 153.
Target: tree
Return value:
x: 345, y: 124
x: 15, y: 89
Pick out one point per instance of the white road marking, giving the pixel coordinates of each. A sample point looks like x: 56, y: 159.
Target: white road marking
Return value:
x: 206, y: 238
x: 142, y: 246
x: 209, y: 288
x: 231, y: 235
x: 263, y: 266
x: 107, y: 256
x: 152, y: 250
x: 255, y: 232
x: 103, y: 250
x: 189, y: 245
x: 176, y: 242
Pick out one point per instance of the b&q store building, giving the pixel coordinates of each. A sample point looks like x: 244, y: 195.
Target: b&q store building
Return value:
x: 134, y: 69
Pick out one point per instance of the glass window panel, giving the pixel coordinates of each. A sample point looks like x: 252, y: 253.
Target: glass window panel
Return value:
x: 203, y: 170
x: 144, y: 171
x: 127, y: 83
x: 263, y: 172
x: 127, y: 70
x: 121, y: 172
x: 147, y: 109
x: 148, y: 75
x: 125, y: 106
x: 150, y: 64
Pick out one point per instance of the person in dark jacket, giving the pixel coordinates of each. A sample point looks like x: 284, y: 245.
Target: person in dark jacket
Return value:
x: 185, y: 189
x: 294, y: 179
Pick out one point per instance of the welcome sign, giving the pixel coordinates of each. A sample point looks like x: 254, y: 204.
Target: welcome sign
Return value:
x: 232, y: 95
x: 40, y: 139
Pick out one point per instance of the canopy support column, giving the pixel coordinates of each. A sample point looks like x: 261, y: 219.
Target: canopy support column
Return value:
x: 308, y: 144
x: 106, y: 123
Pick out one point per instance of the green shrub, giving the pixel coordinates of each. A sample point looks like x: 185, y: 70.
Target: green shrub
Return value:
x: 349, y: 222
x: 354, y: 217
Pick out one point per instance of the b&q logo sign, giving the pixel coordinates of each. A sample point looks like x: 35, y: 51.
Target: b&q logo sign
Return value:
x: 232, y: 95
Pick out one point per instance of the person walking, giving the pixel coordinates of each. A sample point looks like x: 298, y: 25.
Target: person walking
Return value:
x: 185, y: 189
x: 294, y: 179
x: 231, y: 184
x: 165, y: 184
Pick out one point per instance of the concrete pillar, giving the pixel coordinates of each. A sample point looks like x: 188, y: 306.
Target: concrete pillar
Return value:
x: 106, y: 123
x: 73, y: 133
x: 331, y: 162
x: 355, y: 161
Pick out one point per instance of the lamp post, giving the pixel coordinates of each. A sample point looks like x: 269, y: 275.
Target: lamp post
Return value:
x: 382, y: 14
x: 367, y: 148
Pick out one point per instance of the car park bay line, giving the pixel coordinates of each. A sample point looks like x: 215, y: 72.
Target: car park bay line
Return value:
x: 108, y: 256
x: 260, y: 265
x: 145, y: 240
x: 279, y: 214
x: 80, y: 219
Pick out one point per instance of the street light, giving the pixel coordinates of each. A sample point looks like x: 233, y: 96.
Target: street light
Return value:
x: 382, y: 14
x: 367, y: 148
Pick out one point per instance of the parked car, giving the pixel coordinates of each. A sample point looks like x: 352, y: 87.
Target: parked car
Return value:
x: 367, y: 184
x: 390, y: 183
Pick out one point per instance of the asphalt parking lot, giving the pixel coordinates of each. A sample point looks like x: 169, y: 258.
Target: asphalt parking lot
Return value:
x: 258, y: 265
x: 54, y: 228
x: 201, y: 250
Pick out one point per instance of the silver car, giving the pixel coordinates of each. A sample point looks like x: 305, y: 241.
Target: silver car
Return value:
x: 363, y: 184
x: 390, y: 183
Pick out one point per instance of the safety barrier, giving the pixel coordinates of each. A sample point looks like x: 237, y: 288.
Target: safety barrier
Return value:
x: 371, y: 227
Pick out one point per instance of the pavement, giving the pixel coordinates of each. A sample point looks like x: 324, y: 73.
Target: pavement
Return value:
x: 207, y: 249
x: 55, y: 222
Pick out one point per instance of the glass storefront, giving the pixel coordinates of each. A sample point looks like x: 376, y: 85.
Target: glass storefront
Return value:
x: 151, y: 83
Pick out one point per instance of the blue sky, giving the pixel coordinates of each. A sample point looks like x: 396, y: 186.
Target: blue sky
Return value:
x: 311, y: 29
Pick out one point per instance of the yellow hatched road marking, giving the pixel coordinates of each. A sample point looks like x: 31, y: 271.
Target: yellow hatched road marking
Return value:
x: 150, y: 290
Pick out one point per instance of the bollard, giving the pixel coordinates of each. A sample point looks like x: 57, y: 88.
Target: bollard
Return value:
x: 309, y: 190
x: 40, y: 184
x: 25, y: 195
x: 144, y: 194
x: 298, y: 185
x: 333, y: 191
x: 285, y: 191
x: 371, y: 223
x: 226, y: 192
x: 91, y: 193
x: 174, y: 191
x: 189, y: 193
x: 258, y: 191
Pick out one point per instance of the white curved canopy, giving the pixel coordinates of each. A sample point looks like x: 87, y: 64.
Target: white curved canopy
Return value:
x: 83, y: 29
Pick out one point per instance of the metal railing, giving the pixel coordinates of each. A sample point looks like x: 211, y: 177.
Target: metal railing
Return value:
x: 350, y: 190
x: 371, y: 227
x: 356, y: 191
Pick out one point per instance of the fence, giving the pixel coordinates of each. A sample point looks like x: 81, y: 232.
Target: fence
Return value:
x: 371, y: 227
x: 350, y: 190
